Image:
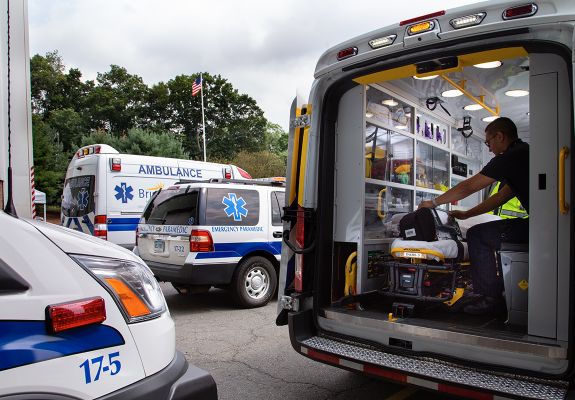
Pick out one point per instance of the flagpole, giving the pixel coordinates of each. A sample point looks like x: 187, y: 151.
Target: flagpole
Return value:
x: 203, y: 119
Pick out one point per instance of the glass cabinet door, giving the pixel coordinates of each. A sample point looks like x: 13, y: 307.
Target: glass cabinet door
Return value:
x: 388, y: 110
x: 388, y: 155
x: 384, y: 207
x: 422, y: 196
x: 431, y: 167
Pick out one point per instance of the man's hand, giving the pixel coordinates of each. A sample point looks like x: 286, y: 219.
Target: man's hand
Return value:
x: 458, y: 214
x: 426, y: 204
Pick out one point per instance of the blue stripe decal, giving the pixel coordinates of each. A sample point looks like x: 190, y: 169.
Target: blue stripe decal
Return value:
x: 122, y: 224
x: 224, y: 250
x: 29, y: 342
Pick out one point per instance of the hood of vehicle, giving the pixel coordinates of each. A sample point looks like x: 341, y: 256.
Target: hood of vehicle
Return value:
x: 71, y: 241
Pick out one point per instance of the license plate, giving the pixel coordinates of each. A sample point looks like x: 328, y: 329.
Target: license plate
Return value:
x: 159, y: 246
x: 411, y: 254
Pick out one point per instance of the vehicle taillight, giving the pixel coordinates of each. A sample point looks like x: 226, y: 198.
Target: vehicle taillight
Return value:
x: 116, y: 164
x: 227, y: 173
x: 346, y: 53
x: 520, y: 11
x: 244, y: 173
x: 61, y: 317
x: 101, y: 227
x: 300, y: 240
x: 201, y: 241
x: 422, y: 18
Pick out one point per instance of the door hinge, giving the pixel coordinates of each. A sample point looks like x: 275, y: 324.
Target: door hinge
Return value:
x: 302, y: 121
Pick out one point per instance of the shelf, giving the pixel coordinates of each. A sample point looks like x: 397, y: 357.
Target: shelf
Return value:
x: 458, y: 177
x: 426, y: 190
x: 433, y: 143
x: 383, y: 125
x: 388, y: 184
x: 430, y: 165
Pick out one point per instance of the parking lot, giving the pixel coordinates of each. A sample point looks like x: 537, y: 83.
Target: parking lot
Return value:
x: 251, y: 358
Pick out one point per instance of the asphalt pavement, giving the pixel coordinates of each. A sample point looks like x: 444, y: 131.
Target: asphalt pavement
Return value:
x: 252, y: 358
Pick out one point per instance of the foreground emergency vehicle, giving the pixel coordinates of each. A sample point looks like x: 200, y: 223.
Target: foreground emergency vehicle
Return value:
x: 105, y: 192
x: 84, y: 319
x: 395, y: 117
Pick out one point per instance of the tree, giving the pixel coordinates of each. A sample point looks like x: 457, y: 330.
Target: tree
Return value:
x: 276, y: 139
x: 140, y: 141
x: 261, y: 164
x: 118, y: 101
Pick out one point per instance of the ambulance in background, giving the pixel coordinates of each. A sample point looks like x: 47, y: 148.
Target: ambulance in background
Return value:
x: 105, y: 192
x: 379, y: 135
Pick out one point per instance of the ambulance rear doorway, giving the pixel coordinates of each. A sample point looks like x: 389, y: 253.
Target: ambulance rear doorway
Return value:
x: 413, y: 136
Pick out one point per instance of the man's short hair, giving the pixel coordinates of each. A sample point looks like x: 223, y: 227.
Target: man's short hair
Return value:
x: 503, y: 125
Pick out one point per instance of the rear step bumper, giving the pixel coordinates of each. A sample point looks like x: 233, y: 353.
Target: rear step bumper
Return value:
x: 430, y: 373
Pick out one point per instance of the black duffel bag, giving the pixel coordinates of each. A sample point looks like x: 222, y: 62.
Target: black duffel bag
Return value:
x: 425, y: 225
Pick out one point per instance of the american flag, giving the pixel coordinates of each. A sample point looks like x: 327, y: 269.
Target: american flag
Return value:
x: 197, y: 86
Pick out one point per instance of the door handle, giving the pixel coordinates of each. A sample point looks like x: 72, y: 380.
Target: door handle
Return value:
x: 277, y: 234
x: 563, y: 206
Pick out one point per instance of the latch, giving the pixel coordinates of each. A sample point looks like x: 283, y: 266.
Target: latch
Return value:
x: 289, y: 303
x: 302, y: 121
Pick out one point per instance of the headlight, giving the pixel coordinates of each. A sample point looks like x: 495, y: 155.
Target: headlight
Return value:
x: 131, y: 284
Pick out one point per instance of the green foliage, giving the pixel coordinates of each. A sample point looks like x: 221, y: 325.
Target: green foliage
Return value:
x: 139, y: 141
x: 50, y: 162
x: 164, y: 120
x: 261, y: 164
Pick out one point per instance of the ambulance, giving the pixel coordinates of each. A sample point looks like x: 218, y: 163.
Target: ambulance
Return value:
x: 395, y: 117
x: 105, y: 192
x: 85, y: 319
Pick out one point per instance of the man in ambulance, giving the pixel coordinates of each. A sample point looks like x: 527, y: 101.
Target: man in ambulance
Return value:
x: 510, y: 166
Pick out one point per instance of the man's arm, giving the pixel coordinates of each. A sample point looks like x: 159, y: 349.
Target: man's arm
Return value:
x: 461, y: 191
x: 498, y: 199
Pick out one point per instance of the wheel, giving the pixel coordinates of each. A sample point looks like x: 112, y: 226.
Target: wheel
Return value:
x: 190, y: 289
x: 254, y: 282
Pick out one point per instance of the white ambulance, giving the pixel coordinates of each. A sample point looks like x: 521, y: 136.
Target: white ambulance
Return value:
x: 224, y: 233
x: 395, y: 117
x: 84, y: 319
x: 105, y: 192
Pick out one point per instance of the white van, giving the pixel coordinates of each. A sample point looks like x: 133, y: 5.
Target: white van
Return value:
x: 105, y: 192
x: 83, y: 319
x: 224, y: 233
x: 396, y: 117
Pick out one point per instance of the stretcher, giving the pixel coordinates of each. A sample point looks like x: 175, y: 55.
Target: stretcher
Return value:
x: 428, y: 271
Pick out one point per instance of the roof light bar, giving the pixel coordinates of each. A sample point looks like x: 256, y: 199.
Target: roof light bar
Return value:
x: 346, y: 53
x: 422, y: 18
x: 420, y: 27
x: 526, y: 10
x: 382, y: 42
x: 468, y: 20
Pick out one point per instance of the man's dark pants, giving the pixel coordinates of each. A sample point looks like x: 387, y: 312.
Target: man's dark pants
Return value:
x: 483, y: 241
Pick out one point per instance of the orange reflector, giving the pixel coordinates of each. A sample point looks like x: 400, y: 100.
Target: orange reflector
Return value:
x: 76, y: 313
x: 420, y: 27
x: 132, y: 303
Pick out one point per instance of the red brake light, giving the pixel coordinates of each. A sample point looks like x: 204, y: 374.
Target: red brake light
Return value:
x: 116, y: 164
x: 101, y: 227
x: 423, y: 17
x: 227, y: 173
x: 244, y: 173
x: 520, y: 11
x: 70, y: 315
x: 201, y: 241
x: 346, y: 53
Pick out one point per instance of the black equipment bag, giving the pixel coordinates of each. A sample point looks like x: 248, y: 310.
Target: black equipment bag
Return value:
x: 425, y: 225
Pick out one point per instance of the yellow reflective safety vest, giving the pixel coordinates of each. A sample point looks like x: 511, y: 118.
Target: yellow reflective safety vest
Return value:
x: 511, y: 209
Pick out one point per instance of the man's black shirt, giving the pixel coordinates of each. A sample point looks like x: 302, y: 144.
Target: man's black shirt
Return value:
x: 512, y: 168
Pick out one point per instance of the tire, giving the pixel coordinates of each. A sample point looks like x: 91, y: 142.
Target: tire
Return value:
x: 254, y: 282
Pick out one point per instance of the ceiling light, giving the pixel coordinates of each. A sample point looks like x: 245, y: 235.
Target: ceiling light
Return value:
x: 517, y: 93
x: 472, y: 107
x: 390, y: 102
x: 368, y: 115
x: 402, y: 127
x: 424, y: 78
x: 452, y: 93
x: 490, y: 118
x: 491, y: 64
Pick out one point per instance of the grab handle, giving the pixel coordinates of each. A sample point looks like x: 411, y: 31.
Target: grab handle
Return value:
x: 380, y: 213
x: 563, y: 206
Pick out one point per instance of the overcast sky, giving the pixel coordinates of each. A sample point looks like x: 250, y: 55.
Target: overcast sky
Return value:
x: 266, y: 49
